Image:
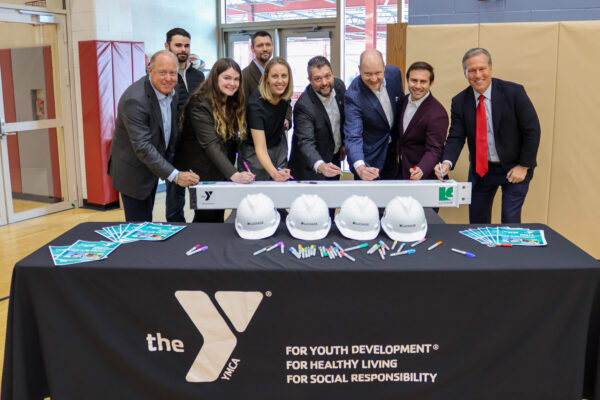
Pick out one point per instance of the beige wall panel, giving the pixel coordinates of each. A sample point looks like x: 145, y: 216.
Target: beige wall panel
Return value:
x: 575, y: 184
x: 443, y: 46
x: 526, y: 53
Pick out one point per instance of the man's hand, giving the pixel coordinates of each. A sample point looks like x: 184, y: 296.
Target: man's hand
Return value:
x: 445, y: 168
x: 242, y: 177
x: 329, y: 169
x: 517, y: 174
x: 286, y: 124
x: 367, y: 173
x: 185, y: 179
x: 416, y: 173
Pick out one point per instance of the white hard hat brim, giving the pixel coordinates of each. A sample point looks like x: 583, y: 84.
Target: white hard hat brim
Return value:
x: 308, y: 235
x: 260, y: 234
x: 403, y: 237
x: 355, y: 235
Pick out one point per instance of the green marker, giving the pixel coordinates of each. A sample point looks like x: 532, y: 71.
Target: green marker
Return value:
x: 360, y: 246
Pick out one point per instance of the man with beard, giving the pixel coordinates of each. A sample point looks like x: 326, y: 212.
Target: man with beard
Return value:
x: 188, y: 80
x: 318, y: 141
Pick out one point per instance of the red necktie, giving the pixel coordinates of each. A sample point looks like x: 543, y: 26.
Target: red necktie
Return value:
x: 481, y: 144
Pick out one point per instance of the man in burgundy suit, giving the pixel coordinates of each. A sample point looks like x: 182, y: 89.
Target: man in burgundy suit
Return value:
x: 420, y: 131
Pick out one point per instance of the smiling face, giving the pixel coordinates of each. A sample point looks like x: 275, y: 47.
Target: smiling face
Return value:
x: 418, y: 83
x: 180, y: 46
x: 478, y: 72
x: 229, y: 82
x: 321, y: 80
x: 278, y: 80
x: 163, y: 74
x: 372, y: 70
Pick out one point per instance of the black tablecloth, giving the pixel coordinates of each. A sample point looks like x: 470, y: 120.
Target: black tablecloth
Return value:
x: 513, y: 323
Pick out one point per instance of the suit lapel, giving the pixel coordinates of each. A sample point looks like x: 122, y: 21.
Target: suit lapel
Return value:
x: 320, y: 107
x: 470, y: 112
x: 155, y: 108
x: 497, y: 101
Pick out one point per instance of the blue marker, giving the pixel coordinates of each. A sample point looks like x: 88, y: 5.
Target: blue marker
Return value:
x: 464, y: 253
x: 401, y: 253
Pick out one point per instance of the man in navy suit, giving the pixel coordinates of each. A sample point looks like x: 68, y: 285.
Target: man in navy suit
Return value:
x: 421, y: 128
x: 369, y: 106
x: 503, y: 134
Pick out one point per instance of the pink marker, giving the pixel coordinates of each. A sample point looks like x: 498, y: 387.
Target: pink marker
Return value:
x: 192, y: 250
x: 418, y: 242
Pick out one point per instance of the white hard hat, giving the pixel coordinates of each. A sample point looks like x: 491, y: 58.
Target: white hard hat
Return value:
x: 256, y: 217
x: 308, y: 218
x: 404, y: 220
x: 358, y: 218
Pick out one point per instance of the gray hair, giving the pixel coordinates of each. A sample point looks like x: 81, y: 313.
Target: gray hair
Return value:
x: 160, y: 53
x: 474, y: 52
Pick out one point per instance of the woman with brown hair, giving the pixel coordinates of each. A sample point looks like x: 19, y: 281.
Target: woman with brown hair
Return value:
x: 264, y: 152
x: 214, y: 122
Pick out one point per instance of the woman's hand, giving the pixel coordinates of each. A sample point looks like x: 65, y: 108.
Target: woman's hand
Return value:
x: 281, y: 175
x: 242, y: 177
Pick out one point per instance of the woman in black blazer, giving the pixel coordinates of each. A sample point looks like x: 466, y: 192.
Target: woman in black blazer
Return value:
x: 214, y: 121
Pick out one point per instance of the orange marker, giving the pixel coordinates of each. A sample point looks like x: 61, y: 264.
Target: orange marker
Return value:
x: 433, y: 246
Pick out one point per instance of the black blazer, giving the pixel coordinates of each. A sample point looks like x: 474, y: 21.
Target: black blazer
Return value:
x: 201, y: 149
x: 313, y: 134
x: 515, y: 121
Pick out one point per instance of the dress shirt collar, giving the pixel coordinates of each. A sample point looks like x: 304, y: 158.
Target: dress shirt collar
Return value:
x: 324, y: 99
x: 487, y: 94
x: 161, y: 96
x: 418, y: 102
x: 260, y: 68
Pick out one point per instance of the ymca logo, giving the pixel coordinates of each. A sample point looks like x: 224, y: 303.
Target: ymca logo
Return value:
x: 219, y: 340
x: 446, y: 194
x: 207, y: 195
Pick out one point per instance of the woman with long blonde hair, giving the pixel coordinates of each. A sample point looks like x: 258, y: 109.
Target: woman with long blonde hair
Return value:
x: 214, y: 122
x: 265, y: 149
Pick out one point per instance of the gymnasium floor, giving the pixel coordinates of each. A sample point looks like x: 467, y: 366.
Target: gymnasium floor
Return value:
x: 22, y: 238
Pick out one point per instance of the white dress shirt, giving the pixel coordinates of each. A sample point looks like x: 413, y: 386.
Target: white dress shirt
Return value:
x: 333, y: 112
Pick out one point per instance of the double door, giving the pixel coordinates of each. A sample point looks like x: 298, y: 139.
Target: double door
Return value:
x: 37, y: 155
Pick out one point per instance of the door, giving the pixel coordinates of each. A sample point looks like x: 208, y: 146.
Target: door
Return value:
x: 36, y: 145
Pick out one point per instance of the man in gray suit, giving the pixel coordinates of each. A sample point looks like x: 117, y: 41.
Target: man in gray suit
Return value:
x: 145, y: 138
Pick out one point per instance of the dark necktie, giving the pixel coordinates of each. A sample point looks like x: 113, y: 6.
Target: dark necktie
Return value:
x: 481, y: 144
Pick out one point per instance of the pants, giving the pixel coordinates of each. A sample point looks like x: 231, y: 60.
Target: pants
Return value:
x: 175, y: 201
x: 139, y: 210
x: 484, y: 190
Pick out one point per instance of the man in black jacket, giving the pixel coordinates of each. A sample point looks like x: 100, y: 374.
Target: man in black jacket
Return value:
x: 318, y: 141
x: 188, y: 80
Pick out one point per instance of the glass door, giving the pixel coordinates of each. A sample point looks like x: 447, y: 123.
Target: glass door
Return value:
x: 36, y: 145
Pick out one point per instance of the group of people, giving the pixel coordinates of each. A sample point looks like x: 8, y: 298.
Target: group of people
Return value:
x: 176, y: 125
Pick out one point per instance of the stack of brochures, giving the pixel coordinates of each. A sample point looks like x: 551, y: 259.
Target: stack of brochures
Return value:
x: 84, y: 251
x: 499, y: 236
x: 145, y: 231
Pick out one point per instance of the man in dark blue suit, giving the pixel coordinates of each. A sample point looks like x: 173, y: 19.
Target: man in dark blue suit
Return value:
x: 369, y: 106
x: 503, y: 134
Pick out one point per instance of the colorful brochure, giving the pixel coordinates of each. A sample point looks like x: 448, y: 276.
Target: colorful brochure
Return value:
x: 497, y: 236
x: 82, y: 251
